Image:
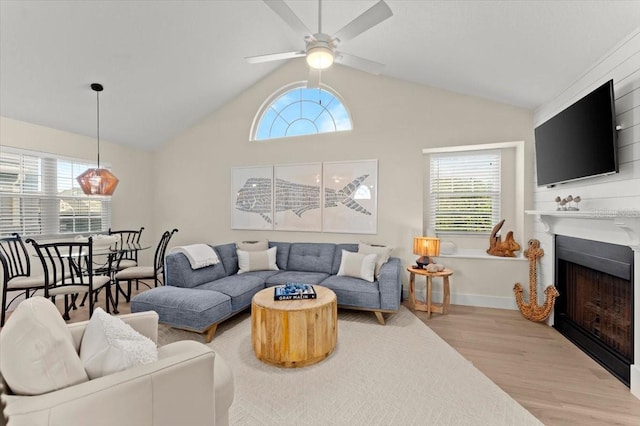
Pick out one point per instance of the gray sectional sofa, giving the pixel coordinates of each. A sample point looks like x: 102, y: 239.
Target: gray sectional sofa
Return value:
x: 199, y: 299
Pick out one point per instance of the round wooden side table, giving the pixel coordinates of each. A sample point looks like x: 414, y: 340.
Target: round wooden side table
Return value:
x: 428, y: 306
x: 294, y: 333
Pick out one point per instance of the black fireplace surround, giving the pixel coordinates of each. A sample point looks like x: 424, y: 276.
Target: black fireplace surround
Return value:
x: 595, y: 306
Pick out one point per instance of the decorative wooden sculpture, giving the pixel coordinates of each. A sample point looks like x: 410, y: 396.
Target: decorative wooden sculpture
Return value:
x: 532, y: 311
x: 497, y: 247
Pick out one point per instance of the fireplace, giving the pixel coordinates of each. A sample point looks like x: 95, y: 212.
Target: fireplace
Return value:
x: 595, y: 309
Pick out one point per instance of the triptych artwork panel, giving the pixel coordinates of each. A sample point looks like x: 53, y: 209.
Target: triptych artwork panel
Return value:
x: 338, y: 196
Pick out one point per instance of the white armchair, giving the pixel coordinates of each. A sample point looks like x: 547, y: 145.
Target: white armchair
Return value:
x: 189, y: 385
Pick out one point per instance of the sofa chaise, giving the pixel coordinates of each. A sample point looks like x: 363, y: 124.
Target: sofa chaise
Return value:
x: 199, y: 299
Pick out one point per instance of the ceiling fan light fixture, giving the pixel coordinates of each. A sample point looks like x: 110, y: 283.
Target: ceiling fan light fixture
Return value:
x: 320, y: 57
x: 320, y: 49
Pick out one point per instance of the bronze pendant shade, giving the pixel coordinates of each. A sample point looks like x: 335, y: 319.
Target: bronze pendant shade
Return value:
x: 97, y: 181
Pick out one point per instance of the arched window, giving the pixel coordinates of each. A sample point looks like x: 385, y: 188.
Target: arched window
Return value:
x: 296, y: 110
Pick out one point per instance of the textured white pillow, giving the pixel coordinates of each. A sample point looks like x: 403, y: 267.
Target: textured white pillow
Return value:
x: 264, y: 260
x: 357, y: 265
x: 382, y: 254
x: 37, y: 354
x: 110, y: 345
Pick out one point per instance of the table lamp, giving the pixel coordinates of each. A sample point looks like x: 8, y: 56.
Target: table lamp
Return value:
x: 425, y: 247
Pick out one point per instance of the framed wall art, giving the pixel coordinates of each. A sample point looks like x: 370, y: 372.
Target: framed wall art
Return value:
x: 297, y: 198
x: 350, y: 202
x: 252, y: 197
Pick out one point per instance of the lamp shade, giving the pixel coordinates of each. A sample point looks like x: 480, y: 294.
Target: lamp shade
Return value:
x: 97, y: 182
x: 319, y: 57
x: 426, y: 246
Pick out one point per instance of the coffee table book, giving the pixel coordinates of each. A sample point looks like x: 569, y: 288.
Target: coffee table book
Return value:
x: 294, y: 291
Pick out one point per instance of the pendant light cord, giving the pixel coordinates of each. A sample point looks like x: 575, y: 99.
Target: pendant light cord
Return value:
x: 98, y: 123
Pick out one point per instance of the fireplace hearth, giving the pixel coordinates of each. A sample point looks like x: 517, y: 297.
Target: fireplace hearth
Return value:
x: 595, y: 308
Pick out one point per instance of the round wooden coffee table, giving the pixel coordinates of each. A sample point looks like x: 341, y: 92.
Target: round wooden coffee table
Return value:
x: 294, y: 333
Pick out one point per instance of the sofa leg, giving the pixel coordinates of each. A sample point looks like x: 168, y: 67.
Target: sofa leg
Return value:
x: 209, y: 332
x: 380, y: 317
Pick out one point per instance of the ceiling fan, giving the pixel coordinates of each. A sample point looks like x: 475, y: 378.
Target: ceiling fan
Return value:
x: 320, y: 48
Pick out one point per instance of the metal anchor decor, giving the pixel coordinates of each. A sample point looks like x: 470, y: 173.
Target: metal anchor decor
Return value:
x: 532, y: 311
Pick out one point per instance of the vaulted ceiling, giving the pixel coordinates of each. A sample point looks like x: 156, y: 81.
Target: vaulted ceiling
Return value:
x: 167, y: 64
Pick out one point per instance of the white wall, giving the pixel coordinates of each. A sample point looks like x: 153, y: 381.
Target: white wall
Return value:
x: 615, y: 192
x: 393, y: 122
x: 132, y: 200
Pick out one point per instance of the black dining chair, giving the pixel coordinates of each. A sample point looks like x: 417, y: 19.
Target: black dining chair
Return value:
x: 129, y: 237
x: 69, y: 272
x: 16, y: 272
x: 145, y: 273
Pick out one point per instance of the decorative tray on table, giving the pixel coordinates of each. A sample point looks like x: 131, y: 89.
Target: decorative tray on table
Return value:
x: 294, y: 291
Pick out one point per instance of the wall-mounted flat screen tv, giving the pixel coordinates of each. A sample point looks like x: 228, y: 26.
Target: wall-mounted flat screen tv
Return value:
x: 579, y: 142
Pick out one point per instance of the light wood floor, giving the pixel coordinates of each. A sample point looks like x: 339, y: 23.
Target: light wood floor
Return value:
x: 537, y: 366
x: 532, y: 362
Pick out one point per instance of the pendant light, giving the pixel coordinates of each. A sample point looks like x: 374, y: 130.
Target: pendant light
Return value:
x: 97, y: 181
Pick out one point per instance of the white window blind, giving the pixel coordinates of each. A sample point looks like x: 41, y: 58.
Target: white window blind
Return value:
x: 39, y: 196
x: 464, y: 192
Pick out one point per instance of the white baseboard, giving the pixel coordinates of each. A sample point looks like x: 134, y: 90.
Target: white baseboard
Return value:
x: 478, y: 300
x: 635, y: 380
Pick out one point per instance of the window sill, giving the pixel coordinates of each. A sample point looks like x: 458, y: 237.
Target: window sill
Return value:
x: 480, y: 254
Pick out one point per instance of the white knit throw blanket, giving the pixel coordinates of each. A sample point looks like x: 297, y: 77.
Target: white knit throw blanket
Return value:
x: 199, y: 255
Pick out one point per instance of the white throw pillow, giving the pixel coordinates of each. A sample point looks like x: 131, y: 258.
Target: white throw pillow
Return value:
x: 110, y: 345
x: 253, y: 245
x: 382, y: 254
x: 37, y: 353
x: 357, y: 265
x: 264, y: 260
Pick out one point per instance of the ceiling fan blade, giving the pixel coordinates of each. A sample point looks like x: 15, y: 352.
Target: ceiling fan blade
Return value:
x: 313, y: 81
x: 359, y: 63
x: 370, y: 18
x: 274, y: 57
x: 287, y: 15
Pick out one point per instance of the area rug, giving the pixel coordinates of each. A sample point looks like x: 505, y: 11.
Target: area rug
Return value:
x: 401, y: 373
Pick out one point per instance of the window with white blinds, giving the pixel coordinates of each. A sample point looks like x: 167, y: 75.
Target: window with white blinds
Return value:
x: 39, y: 196
x: 464, y: 192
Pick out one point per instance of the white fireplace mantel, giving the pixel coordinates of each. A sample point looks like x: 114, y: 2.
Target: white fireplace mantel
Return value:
x: 610, y: 226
